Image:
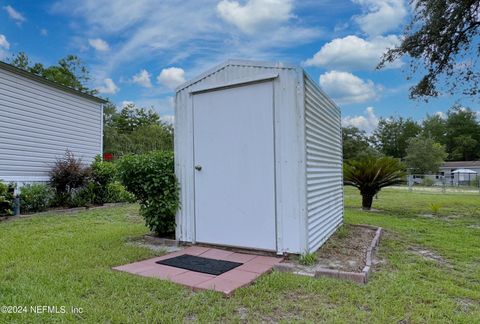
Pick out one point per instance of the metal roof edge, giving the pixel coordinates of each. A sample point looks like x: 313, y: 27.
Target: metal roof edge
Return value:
x: 320, y: 89
x: 267, y: 64
x: 34, y: 77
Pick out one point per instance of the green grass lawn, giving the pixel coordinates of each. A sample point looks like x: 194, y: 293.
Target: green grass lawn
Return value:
x: 67, y: 260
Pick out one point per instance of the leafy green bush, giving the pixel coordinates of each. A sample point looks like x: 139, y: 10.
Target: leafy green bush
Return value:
x: 84, y: 196
x: 151, y: 178
x: 68, y: 175
x: 116, y: 192
x: 36, y: 197
x: 6, y: 199
x: 103, y: 173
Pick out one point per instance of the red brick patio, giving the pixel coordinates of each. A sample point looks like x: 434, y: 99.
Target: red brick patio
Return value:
x: 253, y: 266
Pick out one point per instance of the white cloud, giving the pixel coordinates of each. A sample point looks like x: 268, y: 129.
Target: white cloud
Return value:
x: 353, y: 53
x: 99, y: 44
x: 171, y: 77
x: 346, y: 88
x: 380, y: 16
x: 167, y: 119
x: 44, y: 32
x: 367, y: 122
x: 4, y: 46
x: 109, y: 87
x: 127, y: 102
x: 142, y: 78
x: 4, y: 42
x: 255, y: 15
x: 152, y: 28
x: 14, y: 14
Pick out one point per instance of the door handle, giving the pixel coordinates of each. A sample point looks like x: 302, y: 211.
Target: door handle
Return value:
x: 198, y: 167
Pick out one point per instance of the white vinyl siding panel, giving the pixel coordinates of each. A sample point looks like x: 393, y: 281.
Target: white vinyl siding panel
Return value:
x: 38, y: 123
x: 323, y: 167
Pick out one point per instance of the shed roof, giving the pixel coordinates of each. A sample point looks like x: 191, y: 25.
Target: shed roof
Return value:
x: 277, y: 65
x: 468, y: 171
x: 460, y: 164
x: 34, y: 77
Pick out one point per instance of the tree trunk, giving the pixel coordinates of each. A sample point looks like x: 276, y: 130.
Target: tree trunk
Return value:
x: 367, y: 200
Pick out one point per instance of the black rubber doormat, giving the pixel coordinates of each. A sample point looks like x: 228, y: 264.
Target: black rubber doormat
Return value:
x: 199, y: 264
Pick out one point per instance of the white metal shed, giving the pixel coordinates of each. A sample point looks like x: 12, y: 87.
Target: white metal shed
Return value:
x: 258, y: 155
x: 39, y: 121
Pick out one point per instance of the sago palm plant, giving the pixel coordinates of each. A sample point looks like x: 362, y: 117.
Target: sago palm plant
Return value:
x: 371, y: 174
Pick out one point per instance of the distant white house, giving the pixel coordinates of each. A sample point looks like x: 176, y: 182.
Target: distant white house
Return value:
x: 459, y: 172
x: 39, y: 121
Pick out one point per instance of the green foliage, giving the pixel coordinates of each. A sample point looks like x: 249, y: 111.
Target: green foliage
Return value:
x: 435, y: 127
x: 428, y: 182
x: 308, y: 259
x: 392, y: 135
x: 36, y: 198
x: 458, y: 132
x: 441, y: 35
x: 131, y: 117
x: 103, y: 173
x: 356, y: 143
x: 6, y: 199
x: 151, y: 178
x: 116, y: 192
x: 135, y: 131
x: 371, y: 174
x: 463, y: 134
x: 85, y: 196
x: 69, y: 71
x: 67, y: 175
x: 342, y: 232
x: 435, y: 208
x: 424, y: 155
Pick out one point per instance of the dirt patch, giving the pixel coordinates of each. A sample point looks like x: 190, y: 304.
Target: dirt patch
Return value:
x: 466, y: 305
x: 428, y: 255
x: 151, y: 245
x: 346, y: 249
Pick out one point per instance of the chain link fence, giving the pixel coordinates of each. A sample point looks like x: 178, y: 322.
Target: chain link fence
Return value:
x: 461, y: 183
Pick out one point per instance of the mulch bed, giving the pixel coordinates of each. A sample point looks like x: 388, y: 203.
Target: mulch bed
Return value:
x: 346, y: 255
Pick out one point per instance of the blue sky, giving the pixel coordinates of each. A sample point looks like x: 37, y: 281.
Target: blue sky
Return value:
x: 138, y: 51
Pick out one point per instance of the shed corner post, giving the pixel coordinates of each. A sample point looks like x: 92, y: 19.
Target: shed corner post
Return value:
x: 303, y: 219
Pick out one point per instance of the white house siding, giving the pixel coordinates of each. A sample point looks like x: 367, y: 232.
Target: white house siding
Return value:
x: 324, y: 165
x: 39, y: 122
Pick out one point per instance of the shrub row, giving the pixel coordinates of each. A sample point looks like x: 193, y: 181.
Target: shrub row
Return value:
x: 148, y: 178
x: 72, y: 184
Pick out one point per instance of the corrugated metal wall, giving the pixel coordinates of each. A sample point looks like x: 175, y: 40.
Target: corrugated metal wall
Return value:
x: 38, y: 123
x: 324, y: 165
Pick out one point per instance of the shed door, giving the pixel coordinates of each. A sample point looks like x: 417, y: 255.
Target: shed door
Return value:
x: 234, y: 147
